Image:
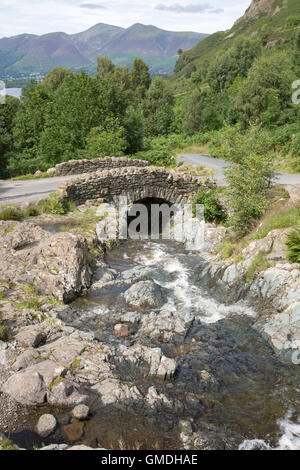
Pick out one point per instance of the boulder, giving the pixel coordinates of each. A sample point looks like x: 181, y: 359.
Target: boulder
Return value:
x: 61, y: 266
x: 46, y: 425
x: 81, y: 412
x: 31, y: 336
x: 65, y: 393
x: 51, y: 172
x: 30, y: 387
x: 145, y: 294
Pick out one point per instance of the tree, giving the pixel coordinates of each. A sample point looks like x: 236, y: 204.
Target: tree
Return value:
x: 55, y: 78
x: 107, y: 139
x: 81, y: 103
x: 105, y: 67
x: 30, y: 119
x: 158, y: 108
x: 140, y: 77
x: 201, y: 113
x: 266, y: 94
x: 231, y: 64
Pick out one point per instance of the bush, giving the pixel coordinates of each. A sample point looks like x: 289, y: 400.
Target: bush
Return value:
x: 213, y: 209
x: 247, y: 194
x: 55, y: 205
x: 293, y: 244
x: 31, y: 211
x: 11, y: 213
x: 162, y: 157
x: 3, y: 332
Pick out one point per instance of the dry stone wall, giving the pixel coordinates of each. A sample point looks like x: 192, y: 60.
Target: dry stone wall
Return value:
x: 78, y: 167
x: 134, y: 182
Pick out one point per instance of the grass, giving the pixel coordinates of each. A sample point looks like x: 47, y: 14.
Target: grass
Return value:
x: 51, y: 205
x: 286, y: 218
x: 195, y: 149
x: 259, y: 263
x: 30, y: 177
x: 11, y: 213
x: 7, y: 444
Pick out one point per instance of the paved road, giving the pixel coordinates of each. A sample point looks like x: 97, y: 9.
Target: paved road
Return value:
x: 289, y: 181
x: 29, y: 190
x: 33, y: 190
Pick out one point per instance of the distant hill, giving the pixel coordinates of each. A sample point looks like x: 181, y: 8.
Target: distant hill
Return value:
x: 272, y: 22
x: 28, y: 53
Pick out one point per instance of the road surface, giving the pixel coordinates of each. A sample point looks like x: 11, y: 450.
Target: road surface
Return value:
x: 29, y: 190
x: 289, y: 181
x: 33, y: 190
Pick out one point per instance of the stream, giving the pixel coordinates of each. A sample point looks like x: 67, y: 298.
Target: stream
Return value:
x: 229, y: 384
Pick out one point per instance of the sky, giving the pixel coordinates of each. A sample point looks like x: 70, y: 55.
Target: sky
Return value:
x: 73, y: 16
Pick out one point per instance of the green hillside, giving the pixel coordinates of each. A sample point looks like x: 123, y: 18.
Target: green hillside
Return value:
x: 273, y: 26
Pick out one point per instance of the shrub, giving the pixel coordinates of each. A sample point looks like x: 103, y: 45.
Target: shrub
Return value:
x: 213, y: 209
x: 163, y: 157
x: 247, y: 194
x: 3, y: 332
x: 31, y: 211
x: 10, y: 213
x: 55, y: 205
x: 293, y: 244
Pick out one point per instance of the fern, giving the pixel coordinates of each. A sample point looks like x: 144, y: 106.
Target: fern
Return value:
x: 293, y: 244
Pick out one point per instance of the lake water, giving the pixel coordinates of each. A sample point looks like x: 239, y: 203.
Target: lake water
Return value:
x: 16, y: 92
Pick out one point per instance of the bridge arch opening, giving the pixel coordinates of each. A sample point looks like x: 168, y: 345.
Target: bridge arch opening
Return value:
x: 150, y: 216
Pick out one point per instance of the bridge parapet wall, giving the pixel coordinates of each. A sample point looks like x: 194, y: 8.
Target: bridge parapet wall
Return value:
x: 78, y: 167
x: 134, y: 182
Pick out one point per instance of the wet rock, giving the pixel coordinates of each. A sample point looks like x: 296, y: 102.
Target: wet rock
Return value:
x: 112, y: 391
x: 46, y: 425
x: 139, y: 273
x: 156, y: 399
x: 55, y: 447
x: 31, y: 336
x: 81, y: 412
x: 165, y: 324
x: 282, y: 331
x: 74, y: 431
x: 160, y: 365
x: 145, y: 294
x: 103, y: 275
x: 122, y: 331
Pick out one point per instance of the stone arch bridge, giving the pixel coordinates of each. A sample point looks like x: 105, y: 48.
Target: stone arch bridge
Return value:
x: 137, y: 183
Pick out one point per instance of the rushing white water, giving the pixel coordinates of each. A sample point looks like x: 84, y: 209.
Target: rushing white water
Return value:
x: 290, y: 439
x: 187, y: 296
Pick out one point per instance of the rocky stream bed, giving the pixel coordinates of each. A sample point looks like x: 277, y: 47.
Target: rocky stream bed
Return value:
x: 169, y: 349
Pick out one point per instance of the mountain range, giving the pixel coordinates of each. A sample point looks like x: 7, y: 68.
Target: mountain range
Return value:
x: 29, y: 53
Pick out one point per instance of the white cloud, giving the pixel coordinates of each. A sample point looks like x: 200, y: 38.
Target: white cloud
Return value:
x: 191, y: 8
x: 44, y: 16
x: 92, y: 6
